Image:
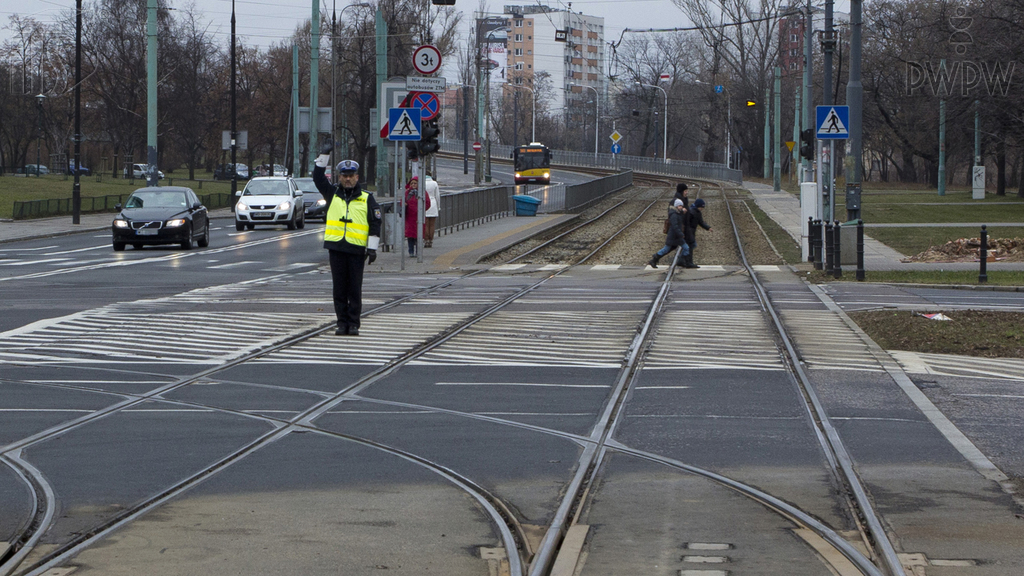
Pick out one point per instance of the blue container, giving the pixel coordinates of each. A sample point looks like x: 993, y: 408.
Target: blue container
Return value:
x: 526, y: 205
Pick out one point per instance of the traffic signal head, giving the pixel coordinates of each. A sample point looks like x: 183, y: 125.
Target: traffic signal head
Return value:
x: 751, y: 103
x: 413, y: 148
x: 428, y: 138
x: 807, y: 143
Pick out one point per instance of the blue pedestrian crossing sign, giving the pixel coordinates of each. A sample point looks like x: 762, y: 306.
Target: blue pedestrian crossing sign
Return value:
x: 833, y: 122
x: 616, y: 148
x: 404, y: 124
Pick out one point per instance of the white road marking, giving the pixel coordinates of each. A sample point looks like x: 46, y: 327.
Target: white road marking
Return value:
x: 606, y: 266
x: 233, y: 264
x: 101, y: 247
x: 291, y: 267
x: 30, y: 262
x: 507, y: 267
x: 528, y: 384
x: 27, y: 249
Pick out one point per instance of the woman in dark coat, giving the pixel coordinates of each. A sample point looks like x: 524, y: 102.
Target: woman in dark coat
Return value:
x: 411, y: 212
x: 675, y: 237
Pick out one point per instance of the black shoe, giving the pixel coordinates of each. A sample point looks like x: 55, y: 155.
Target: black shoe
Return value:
x: 353, y: 331
x: 652, y: 263
x: 341, y: 331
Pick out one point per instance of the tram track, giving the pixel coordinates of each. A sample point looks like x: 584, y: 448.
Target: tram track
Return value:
x: 595, y: 446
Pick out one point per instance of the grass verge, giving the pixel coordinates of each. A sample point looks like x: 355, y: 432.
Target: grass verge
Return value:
x: 781, y: 239
x: 970, y: 332
x: 911, y: 241
x: 938, y: 277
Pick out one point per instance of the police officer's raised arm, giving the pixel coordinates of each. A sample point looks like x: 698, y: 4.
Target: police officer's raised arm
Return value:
x: 323, y: 185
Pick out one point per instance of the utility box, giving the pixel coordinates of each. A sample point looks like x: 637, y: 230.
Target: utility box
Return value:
x: 810, y: 208
x: 852, y: 199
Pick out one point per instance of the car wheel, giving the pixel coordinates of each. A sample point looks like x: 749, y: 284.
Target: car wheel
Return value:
x: 302, y: 221
x: 118, y: 246
x: 186, y: 244
x: 205, y: 240
x: 239, y: 226
x: 250, y: 226
x: 292, y: 223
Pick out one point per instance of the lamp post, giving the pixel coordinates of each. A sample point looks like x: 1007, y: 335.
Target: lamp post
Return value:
x: 334, y: 67
x: 533, y: 137
x: 597, y: 113
x: 465, y: 126
x: 664, y: 144
x: 39, y: 99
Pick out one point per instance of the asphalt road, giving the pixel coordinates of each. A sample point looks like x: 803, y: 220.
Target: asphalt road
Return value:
x: 195, y: 384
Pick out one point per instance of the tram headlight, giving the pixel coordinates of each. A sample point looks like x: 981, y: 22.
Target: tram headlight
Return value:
x: 519, y: 175
x: 547, y: 174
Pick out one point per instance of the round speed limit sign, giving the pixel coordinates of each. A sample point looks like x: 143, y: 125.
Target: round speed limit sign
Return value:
x: 426, y: 59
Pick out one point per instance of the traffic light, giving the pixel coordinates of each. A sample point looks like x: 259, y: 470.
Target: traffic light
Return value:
x: 428, y: 139
x: 414, y: 150
x: 807, y: 144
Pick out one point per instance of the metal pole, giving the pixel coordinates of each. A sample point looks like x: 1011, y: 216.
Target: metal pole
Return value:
x: 664, y: 137
x: 942, y: 140
x: 465, y: 131
x: 860, y: 250
x: 151, y: 88
x: 76, y: 190
x: 983, y: 273
x: 855, y: 93
x: 400, y: 207
x: 777, y: 107
x: 810, y: 238
x: 39, y: 139
x: 806, y: 99
x: 819, y: 240
x: 829, y: 253
x: 295, y: 111
x: 314, y: 85
x: 234, y: 115
x: 420, y: 208
x: 767, y: 133
x: 728, y: 129
x: 977, y: 132
x: 334, y: 85
x: 381, y: 31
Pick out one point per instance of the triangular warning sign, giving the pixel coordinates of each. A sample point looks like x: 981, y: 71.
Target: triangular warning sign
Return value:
x: 405, y: 126
x: 832, y: 124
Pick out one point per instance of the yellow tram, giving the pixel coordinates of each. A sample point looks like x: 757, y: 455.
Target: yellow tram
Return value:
x: 532, y: 163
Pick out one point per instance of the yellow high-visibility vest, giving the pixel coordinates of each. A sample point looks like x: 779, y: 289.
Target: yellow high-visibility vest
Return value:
x: 348, y: 221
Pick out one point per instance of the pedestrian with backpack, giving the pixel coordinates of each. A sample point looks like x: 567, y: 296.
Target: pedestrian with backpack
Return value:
x: 675, y: 236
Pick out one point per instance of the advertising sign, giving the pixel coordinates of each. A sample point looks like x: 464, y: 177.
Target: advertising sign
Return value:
x: 492, y: 34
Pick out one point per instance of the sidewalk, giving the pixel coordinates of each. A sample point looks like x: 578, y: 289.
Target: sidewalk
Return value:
x: 784, y: 208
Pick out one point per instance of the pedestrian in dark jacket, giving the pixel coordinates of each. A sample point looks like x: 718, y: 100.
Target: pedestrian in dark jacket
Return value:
x: 675, y: 237
x: 681, y: 194
x: 691, y: 221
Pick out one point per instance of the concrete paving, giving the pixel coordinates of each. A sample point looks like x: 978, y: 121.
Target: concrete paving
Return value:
x: 784, y: 208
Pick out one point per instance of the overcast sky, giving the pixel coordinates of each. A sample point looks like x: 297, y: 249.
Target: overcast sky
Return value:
x: 264, y: 22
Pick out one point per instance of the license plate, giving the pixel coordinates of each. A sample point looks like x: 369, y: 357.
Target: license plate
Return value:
x: 262, y: 214
x: 147, y: 232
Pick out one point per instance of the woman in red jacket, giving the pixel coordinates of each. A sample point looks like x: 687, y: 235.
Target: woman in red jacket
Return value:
x: 411, y: 211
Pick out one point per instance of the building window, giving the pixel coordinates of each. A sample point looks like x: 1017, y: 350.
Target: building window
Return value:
x: 529, y: 22
x: 529, y: 66
x: 518, y: 52
x: 519, y: 66
x: 518, y: 38
x: 519, y: 23
x: 794, y: 38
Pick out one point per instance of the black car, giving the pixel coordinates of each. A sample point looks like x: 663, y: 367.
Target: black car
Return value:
x: 312, y: 201
x: 225, y: 172
x: 161, y: 215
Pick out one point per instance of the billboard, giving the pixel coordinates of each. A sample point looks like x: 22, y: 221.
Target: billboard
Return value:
x: 492, y: 35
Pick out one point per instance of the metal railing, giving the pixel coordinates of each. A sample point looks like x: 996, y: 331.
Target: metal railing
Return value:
x: 566, y: 198
x: 93, y: 204
x: 678, y: 168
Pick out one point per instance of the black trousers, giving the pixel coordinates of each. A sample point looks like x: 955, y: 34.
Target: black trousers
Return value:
x: 347, y: 274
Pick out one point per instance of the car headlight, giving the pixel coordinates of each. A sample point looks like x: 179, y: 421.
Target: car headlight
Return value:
x: 321, y: 202
x: 242, y: 206
x: 286, y: 205
x: 175, y: 223
x: 120, y: 223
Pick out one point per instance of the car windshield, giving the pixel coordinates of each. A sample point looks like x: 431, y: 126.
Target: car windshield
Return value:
x: 156, y: 200
x: 305, y: 184
x: 267, y: 188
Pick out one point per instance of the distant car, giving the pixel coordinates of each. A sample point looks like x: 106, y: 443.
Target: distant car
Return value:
x: 82, y: 170
x: 139, y: 171
x: 224, y: 172
x: 164, y: 215
x: 312, y: 201
x: 279, y: 170
x: 269, y: 200
x: 34, y: 169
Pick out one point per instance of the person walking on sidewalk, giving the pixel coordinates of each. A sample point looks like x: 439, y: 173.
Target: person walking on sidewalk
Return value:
x: 430, y: 216
x: 412, y: 209
x: 675, y: 237
x: 351, y: 235
x: 691, y: 221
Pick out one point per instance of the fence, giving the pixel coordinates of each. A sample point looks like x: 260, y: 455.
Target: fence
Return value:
x: 458, y: 210
x: 677, y: 168
x: 565, y: 198
x: 92, y: 204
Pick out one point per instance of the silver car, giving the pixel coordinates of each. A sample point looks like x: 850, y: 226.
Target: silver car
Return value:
x: 271, y: 200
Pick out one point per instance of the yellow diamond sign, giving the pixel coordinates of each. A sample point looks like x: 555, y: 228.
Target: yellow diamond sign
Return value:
x: 616, y: 136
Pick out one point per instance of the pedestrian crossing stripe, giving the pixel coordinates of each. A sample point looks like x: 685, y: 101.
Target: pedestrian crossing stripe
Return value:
x: 959, y: 366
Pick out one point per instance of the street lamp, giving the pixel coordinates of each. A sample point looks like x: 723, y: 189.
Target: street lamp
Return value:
x: 597, y: 113
x: 664, y: 145
x: 465, y: 125
x: 533, y: 137
x: 39, y: 99
x: 334, y: 67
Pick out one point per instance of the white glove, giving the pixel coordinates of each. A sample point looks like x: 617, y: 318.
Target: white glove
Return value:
x: 323, y: 160
x: 372, y: 242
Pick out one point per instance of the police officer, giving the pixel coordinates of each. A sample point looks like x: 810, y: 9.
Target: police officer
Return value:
x: 352, y: 234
